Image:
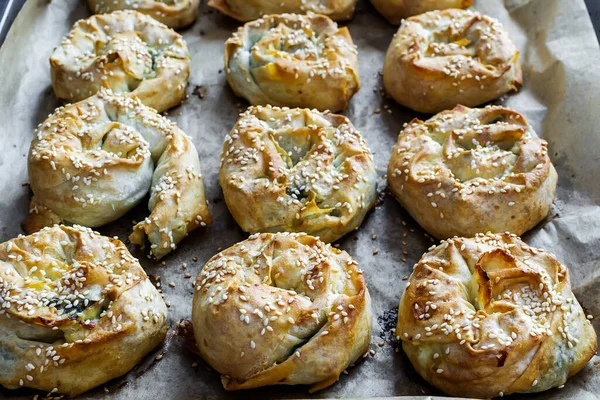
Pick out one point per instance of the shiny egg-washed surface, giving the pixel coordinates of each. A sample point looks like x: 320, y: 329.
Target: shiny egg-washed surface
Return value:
x: 445, y: 58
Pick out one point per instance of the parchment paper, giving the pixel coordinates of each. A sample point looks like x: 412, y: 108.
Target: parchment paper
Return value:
x: 561, y: 59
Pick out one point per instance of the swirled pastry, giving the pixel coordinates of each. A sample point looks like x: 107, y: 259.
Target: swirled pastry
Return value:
x: 489, y: 316
x: 173, y: 13
x: 76, y: 310
x: 293, y: 60
x: 443, y: 58
x: 281, y: 309
x: 125, y: 51
x: 248, y: 10
x: 93, y: 161
x: 468, y: 171
x: 396, y: 10
x: 297, y: 170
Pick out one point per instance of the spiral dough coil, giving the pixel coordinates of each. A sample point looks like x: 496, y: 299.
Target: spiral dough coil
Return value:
x: 440, y: 59
x: 396, y: 10
x: 125, y: 51
x: 248, y: 10
x: 173, y: 13
x: 467, y: 171
x: 297, y: 170
x: 76, y: 310
x: 93, y: 161
x: 489, y: 316
x: 281, y: 309
x: 293, y: 60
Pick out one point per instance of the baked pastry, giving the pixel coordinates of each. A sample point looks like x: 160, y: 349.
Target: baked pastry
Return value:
x: 248, y: 10
x: 76, y: 311
x: 467, y: 171
x: 125, y: 51
x: 293, y: 60
x: 396, y: 10
x: 93, y: 161
x: 281, y: 309
x: 443, y: 58
x: 489, y: 316
x: 297, y: 170
x: 174, y: 14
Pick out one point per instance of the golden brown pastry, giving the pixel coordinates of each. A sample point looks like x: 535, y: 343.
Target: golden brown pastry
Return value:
x: 396, y: 10
x: 443, y: 58
x: 293, y: 60
x: 76, y: 310
x: 489, y: 316
x: 281, y: 309
x: 93, y: 161
x: 297, y: 170
x: 248, y: 10
x: 125, y: 51
x: 173, y: 13
x: 467, y: 171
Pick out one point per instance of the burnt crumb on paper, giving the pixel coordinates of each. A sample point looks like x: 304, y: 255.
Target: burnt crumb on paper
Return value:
x: 388, y: 321
x: 200, y: 91
x: 380, y: 197
x: 185, y: 333
x: 185, y: 330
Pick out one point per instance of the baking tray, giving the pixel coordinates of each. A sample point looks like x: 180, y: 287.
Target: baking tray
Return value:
x: 560, y: 98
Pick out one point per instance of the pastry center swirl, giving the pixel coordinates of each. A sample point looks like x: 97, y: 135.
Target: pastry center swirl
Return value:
x: 124, y: 142
x: 63, y: 287
x: 312, y: 159
x: 485, y: 146
x: 131, y: 50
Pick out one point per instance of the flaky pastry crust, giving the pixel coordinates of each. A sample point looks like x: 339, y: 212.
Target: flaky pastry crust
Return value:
x: 281, y: 309
x: 293, y: 60
x: 396, y: 10
x: 125, y: 51
x: 467, y: 171
x: 297, y: 170
x: 93, y: 161
x: 173, y: 13
x: 76, y: 310
x: 248, y: 10
x: 489, y: 316
x: 443, y: 58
